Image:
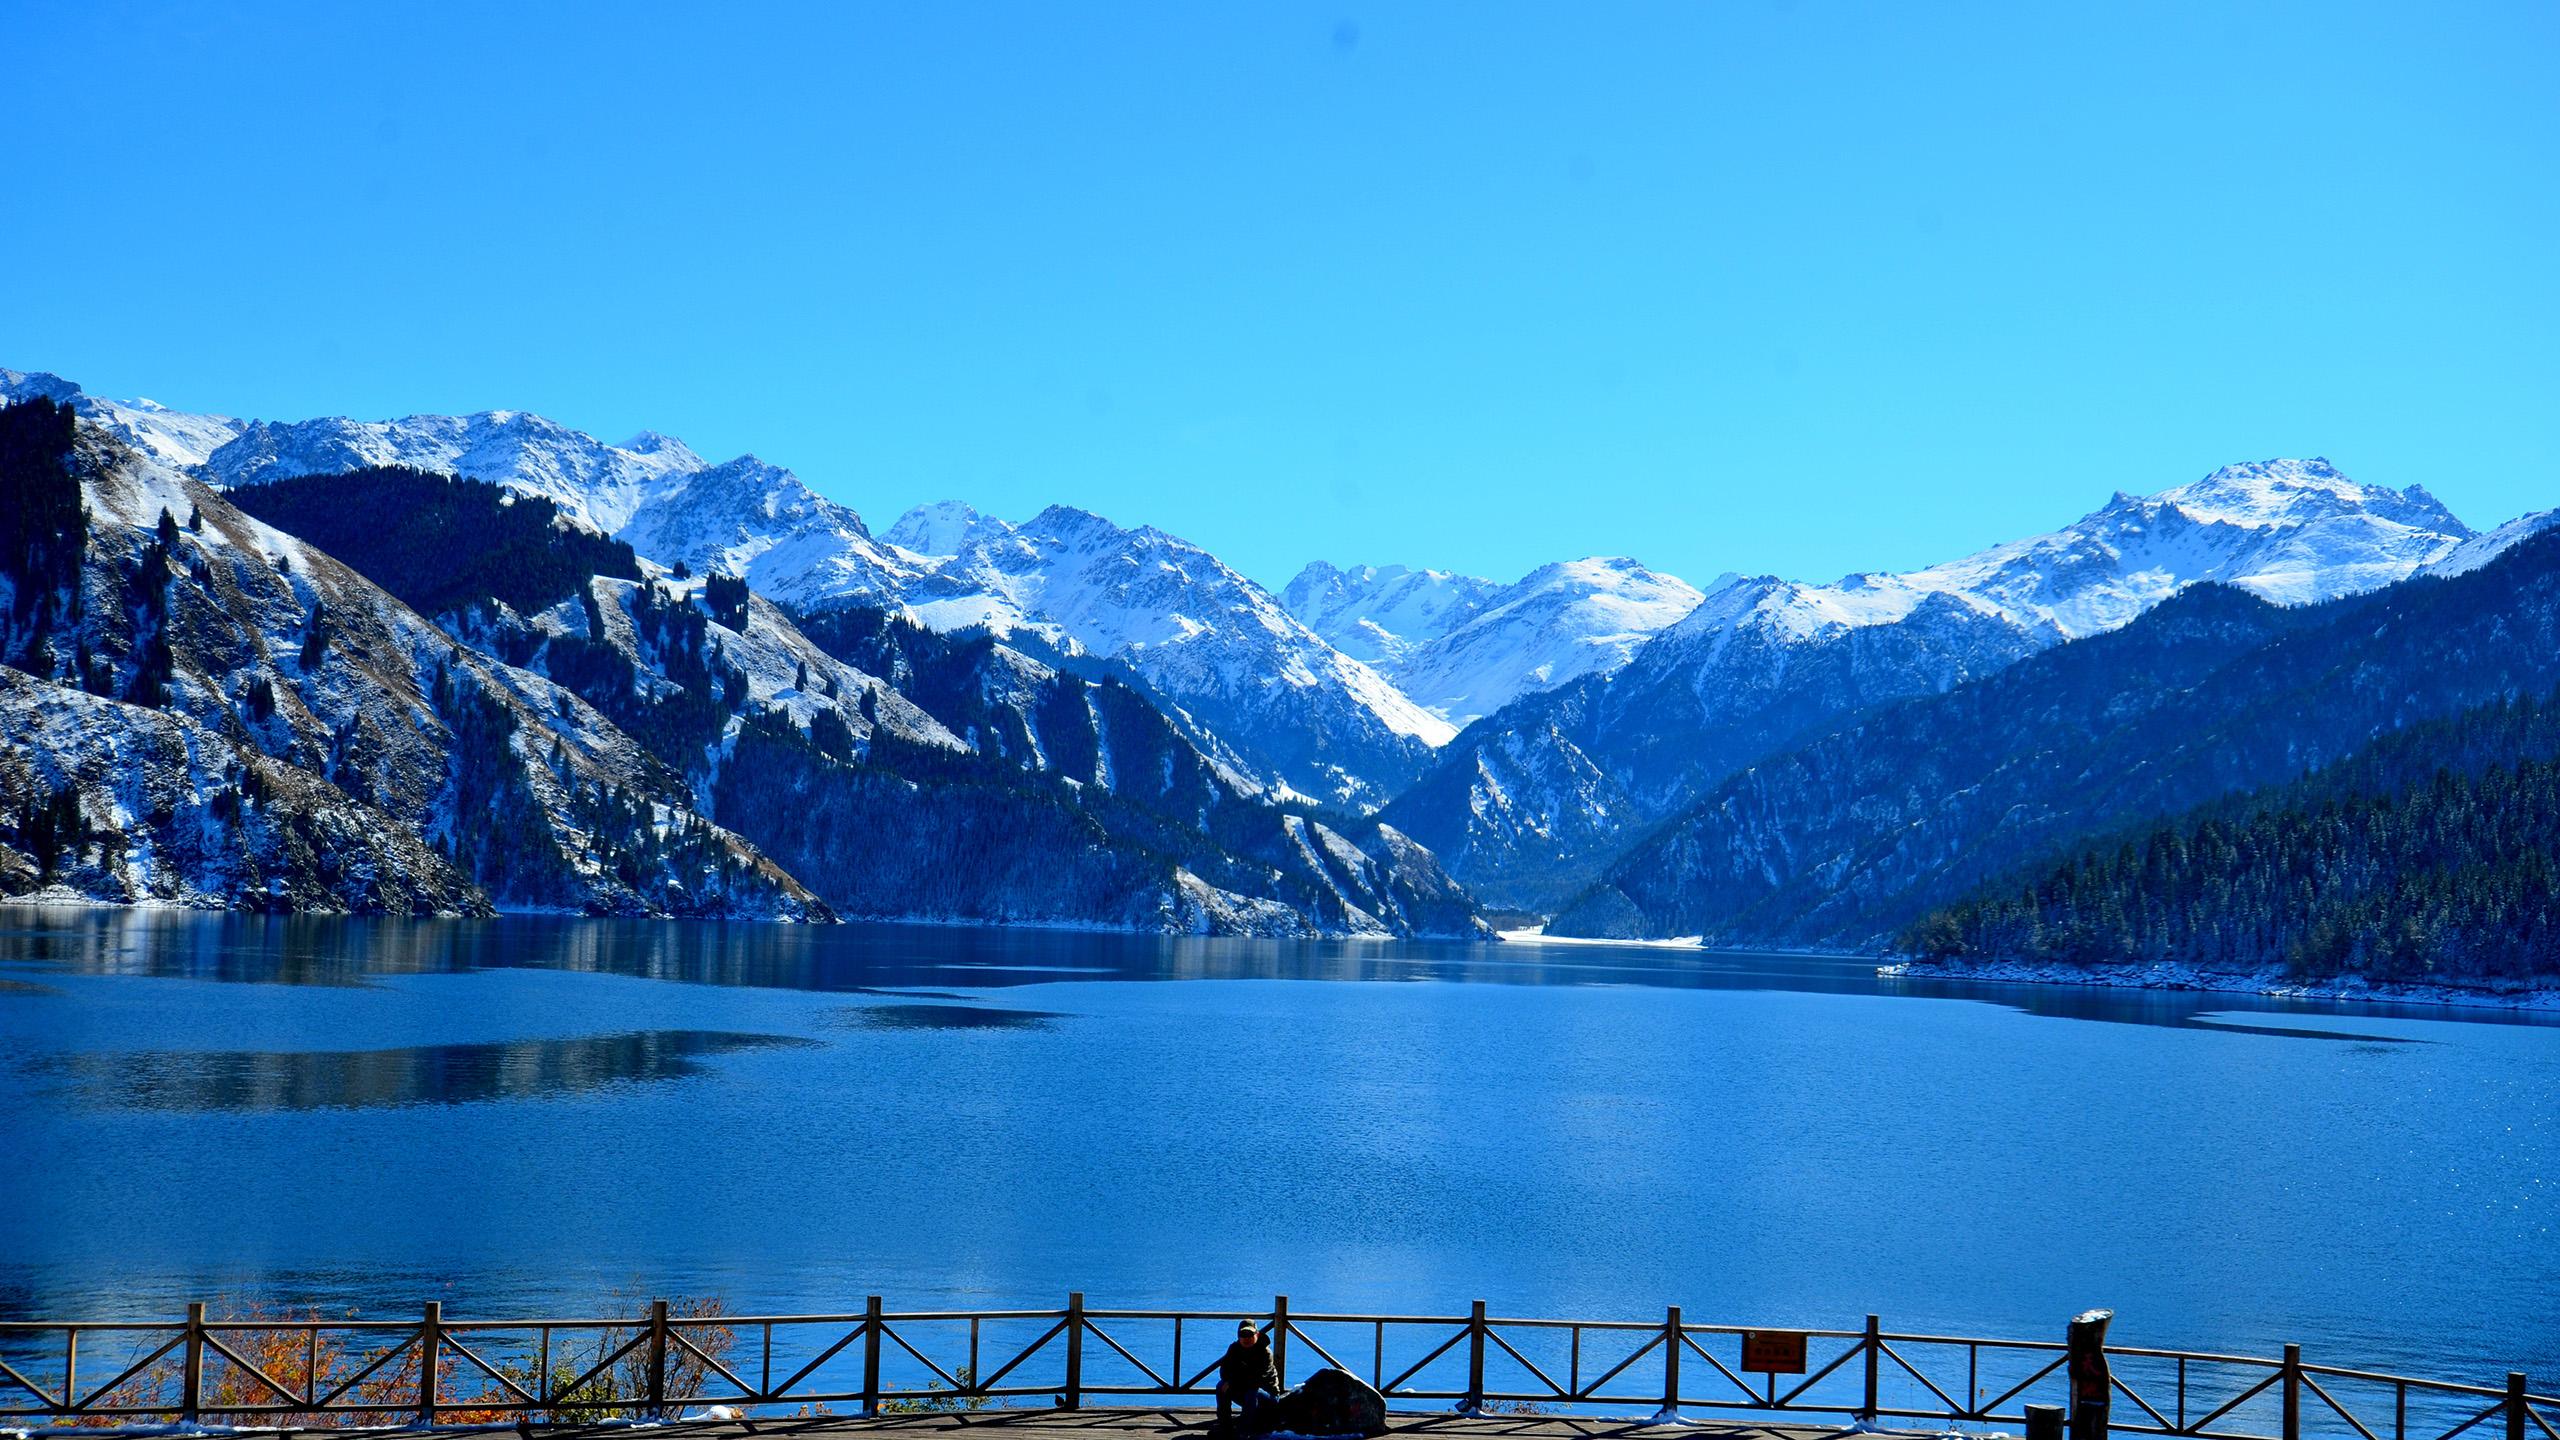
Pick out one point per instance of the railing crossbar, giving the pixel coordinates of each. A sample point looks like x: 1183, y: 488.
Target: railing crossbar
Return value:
x: 2023, y: 1386
x: 1613, y: 1371
x: 136, y: 1368
x: 1701, y: 1351
x: 2236, y: 1401
x: 22, y: 1382
x: 1033, y: 1349
x: 1317, y: 1346
x: 1558, y: 1391
x: 1143, y: 1367
x: 890, y: 1332
x: 283, y: 1392
x: 1908, y: 1369
x: 2315, y: 1387
x: 1816, y: 1378
x: 1419, y: 1365
x: 805, y: 1371
x: 2118, y: 1381
x: 2499, y: 1405
x: 745, y: 1391
x: 562, y: 1392
x: 454, y: 1344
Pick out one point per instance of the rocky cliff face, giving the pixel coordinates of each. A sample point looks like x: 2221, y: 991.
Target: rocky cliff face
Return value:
x: 903, y: 772
x: 165, y: 597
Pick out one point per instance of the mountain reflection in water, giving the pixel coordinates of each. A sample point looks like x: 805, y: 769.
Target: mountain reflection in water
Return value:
x: 265, y: 1080
x: 919, y: 963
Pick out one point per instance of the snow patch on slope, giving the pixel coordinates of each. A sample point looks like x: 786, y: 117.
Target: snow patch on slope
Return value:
x: 1463, y: 647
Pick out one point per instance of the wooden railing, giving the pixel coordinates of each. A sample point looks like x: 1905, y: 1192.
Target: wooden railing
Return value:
x: 309, y: 1371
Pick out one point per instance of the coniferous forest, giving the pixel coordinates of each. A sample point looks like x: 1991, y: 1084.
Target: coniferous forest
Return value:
x: 2427, y: 855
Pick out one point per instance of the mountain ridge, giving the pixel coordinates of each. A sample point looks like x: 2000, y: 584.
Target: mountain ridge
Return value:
x: 1533, y: 802
x: 1850, y: 834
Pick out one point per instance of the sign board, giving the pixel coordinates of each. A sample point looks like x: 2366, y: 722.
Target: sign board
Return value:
x: 1773, y: 1352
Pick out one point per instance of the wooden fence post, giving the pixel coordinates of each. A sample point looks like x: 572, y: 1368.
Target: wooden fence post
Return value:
x: 1280, y: 1339
x: 1075, y: 1349
x: 191, y: 1384
x: 2084, y: 1350
x: 1475, y: 1359
x: 657, y: 1359
x: 430, y: 1360
x: 1874, y: 1346
x: 2515, y: 1405
x: 1671, y: 1360
x: 871, y: 1357
x: 2293, y: 1392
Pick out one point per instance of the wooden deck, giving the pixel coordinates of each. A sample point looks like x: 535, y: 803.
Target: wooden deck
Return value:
x: 1108, y: 1424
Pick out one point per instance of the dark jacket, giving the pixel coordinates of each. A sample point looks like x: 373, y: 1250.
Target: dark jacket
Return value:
x: 1246, y: 1368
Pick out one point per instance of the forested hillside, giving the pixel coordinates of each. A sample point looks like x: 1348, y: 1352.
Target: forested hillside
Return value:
x: 2428, y: 855
x: 1849, y: 839
x: 440, y: 543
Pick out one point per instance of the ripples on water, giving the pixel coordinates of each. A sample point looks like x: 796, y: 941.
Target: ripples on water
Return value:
x: 521, y: 1116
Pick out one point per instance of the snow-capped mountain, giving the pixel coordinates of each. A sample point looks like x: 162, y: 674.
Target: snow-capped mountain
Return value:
x: 2208, y: 697
x: 2288, y: 531
x: 1539, y: 798
x: 1213, y: 644
x: 740, y: 517
x: 1463, y: 647
x: 205, y: 706
x: 279, y: 731
x: 2488, y: 545
x: 1381, y: 614
x: 1258, y: 687
x: 1343, y: 691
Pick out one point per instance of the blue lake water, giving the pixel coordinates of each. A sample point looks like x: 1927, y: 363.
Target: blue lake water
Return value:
x: 530, y: 1115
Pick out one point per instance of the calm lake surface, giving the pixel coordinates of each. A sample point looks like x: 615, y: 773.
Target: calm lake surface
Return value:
x: 530, y: 1116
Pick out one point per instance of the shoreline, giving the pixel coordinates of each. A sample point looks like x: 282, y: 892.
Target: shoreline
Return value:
x: 58, y: 898
x: 1534, y: 936
x: 2170, y: 975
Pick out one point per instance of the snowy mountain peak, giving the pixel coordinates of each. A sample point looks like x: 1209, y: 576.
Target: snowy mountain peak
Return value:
x: 1381, y: 614
x: 17, y: 385
x: 939, y: 529
x: 2262, y: 493
x: 666, y: 447
x: 2290, y: 531
x: 1464, y: 647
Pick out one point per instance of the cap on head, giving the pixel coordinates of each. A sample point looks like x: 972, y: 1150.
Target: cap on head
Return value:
x: 1245, y: 1327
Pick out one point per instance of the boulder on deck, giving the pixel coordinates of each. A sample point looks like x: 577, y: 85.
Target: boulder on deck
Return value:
x: 1330, y: 1402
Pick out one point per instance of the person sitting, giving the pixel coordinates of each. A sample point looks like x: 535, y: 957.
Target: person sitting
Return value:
x: 1247, y: 1378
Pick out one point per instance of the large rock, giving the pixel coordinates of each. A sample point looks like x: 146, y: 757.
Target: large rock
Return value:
x: 1331, y: 1402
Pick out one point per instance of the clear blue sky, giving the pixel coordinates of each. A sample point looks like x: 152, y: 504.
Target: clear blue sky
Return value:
x: 1801, y: 287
